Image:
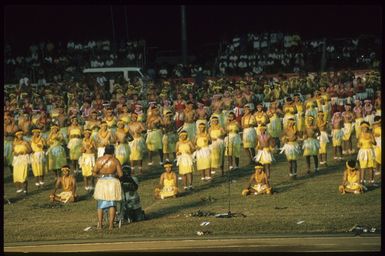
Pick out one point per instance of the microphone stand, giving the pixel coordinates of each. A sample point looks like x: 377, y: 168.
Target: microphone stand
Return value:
x: 228, y: 214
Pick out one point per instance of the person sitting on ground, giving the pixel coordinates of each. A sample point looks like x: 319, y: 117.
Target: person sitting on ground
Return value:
x: 68, y: 183
x: 168, y: 186
x: 351, y: 182
x: 258, y: 183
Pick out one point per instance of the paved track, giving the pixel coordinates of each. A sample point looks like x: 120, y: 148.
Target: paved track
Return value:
x: 273, y: 244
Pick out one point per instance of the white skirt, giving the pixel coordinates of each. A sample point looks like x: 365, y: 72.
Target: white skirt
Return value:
x: 324, y: 138
x: 101, y: 151
x: 264, y: 156
x: 184, y: 159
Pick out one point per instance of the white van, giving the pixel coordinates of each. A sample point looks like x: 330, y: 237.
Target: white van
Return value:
x: 120, y: 70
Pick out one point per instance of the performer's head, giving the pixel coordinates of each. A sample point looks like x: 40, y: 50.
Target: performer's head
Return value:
x: 134, y: 116
x: 167, y: 166
x: 65, y: 170
x: 351, y: 164
x: 109, y: 150
x: 202, y: 127
x: 36, y: 132
x: 365, y: 126
x: 259, y: 107
x: 103, y: 125
x: 19, y: 134
x: 54, y: 128
x: 214, y: 120
x: 87, y: 133
x: 120, y: 124
x: 231, y: 116
x: 258, y: 167
x: 183, y: 135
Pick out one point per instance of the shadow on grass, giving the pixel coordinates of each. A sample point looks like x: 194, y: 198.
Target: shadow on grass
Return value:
x: 173, y: 209
x: 285, y: 186
x: 15, y: 199
x: 85, y: 197
x: 372, y: 188
x: 8, y: 179
x: 323, y: 171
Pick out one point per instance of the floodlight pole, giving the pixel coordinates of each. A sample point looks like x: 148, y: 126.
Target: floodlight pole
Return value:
x: 184, y: 34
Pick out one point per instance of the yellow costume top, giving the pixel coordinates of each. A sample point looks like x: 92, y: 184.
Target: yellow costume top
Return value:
x: 377, y: 131
x: 260, y: 118
x: 232, y: 128
x: 215, y: 133
x: 54, y: 139
x: 20, y: 149
x: 289, y: 109
x: 202, y: 140
x: 111, y: 123
x: 365, y: 143
x: 353, y: 177
x: 75, y: 132
x: 184, y: 148
x: 37, y: 144
x: 126, y: 119
x: 299, y: 107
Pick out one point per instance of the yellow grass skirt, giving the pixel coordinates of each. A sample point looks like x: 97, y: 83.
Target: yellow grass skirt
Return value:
x: 108, y: 189
x: 20, y: 167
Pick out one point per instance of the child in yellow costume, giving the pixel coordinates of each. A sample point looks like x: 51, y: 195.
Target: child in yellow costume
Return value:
x: 137, y: 145
x: 38, y: 160
x: 184, y: 149
x: 75, y: 143
x: 249, y: 134
x: 216, y: 133
x: 168, y: 186
x: 351, y: 182
x: 202, y: 153
x: 21, y: 160
x: 232, y: 141
x: 377, y: 138
x: 365, y: 154
x: 258, y: 183
x: 87, y: 160
x: 337, y: 135
x: 169, y: 136
x: 68, y: 184
x: 291, y: 147
x: 122, y: 152
x: 323, y: 137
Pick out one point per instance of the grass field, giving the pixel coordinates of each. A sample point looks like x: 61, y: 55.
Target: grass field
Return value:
x: 315, y: 200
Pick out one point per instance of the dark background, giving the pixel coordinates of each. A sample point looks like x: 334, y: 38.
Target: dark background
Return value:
x: 159, y: 25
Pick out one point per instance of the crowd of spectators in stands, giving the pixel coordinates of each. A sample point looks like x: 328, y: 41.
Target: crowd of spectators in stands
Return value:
x: 278, y: 52
x: 48, y: 61
x: 252, y: 54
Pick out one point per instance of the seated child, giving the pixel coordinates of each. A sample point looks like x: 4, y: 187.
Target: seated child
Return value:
x: 168, y: 183
x: 351, y: 182
x: 258, y: 183
x: 68, y: 184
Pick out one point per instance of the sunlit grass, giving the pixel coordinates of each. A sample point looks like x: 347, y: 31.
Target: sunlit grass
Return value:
x: 315, y: 200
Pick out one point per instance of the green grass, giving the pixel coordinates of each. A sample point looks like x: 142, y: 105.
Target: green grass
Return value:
x: 314, y: 200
